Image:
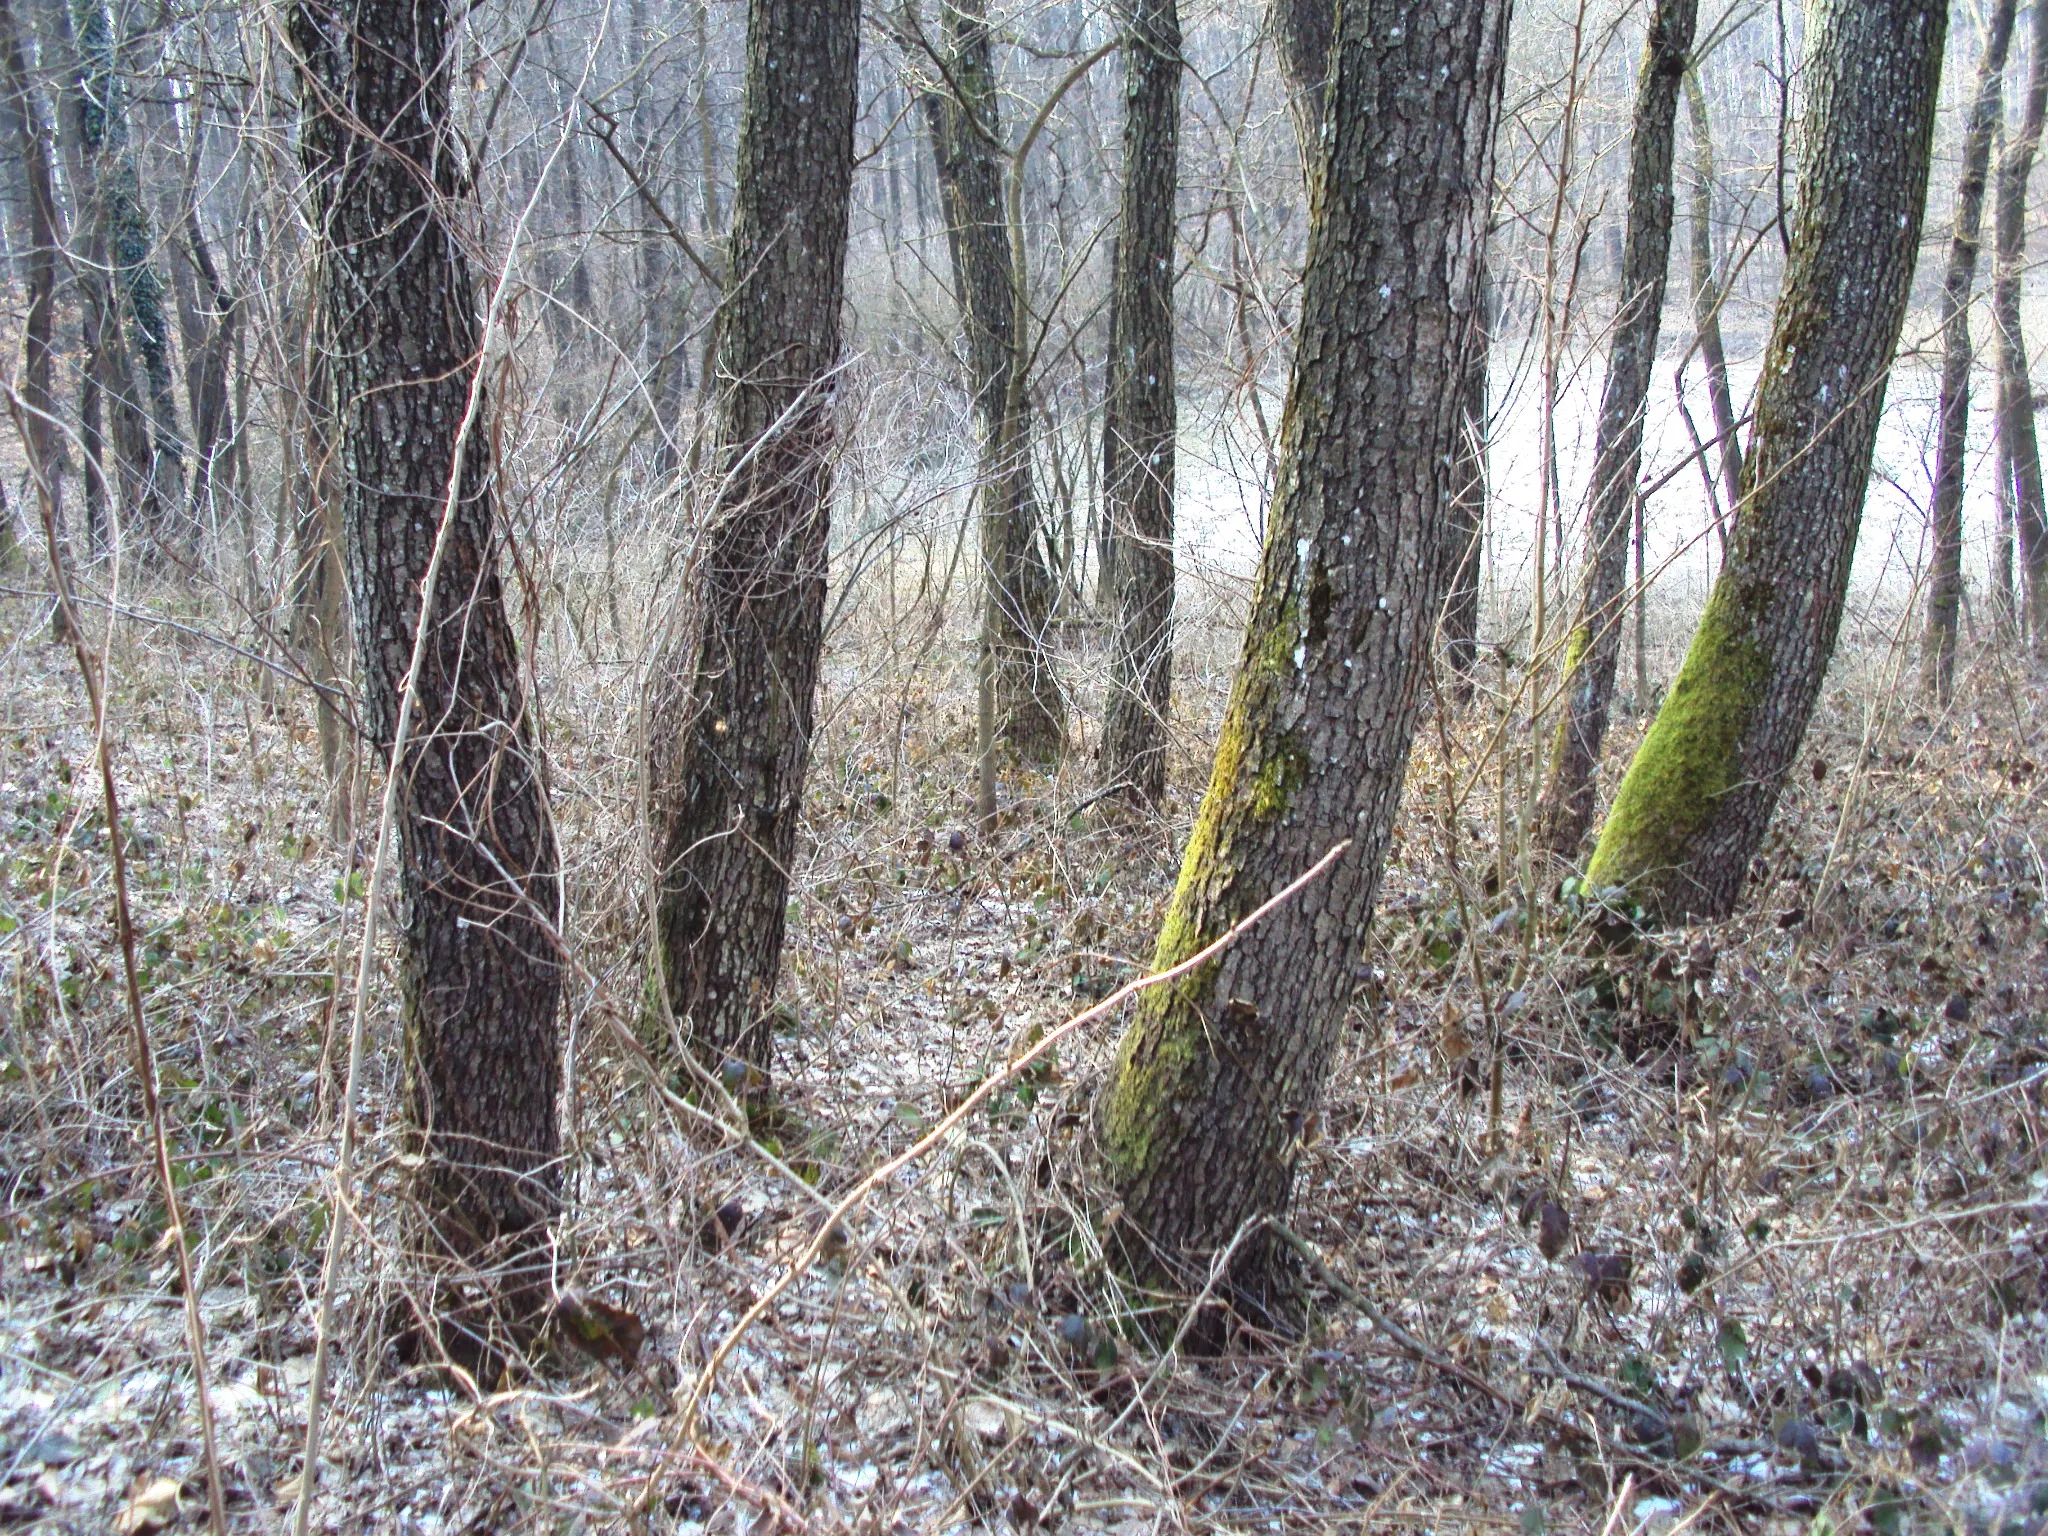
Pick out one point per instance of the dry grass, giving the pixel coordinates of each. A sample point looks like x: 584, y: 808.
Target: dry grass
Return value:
x: 1835, y: 1101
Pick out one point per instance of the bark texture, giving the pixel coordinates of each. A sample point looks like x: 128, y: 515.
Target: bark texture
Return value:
x: 961, y: 113
x: 1306, y: 28
x: 1952, y: 413
x: 480, y: 978
x: 23, y: 124
x: 1693, y: 807
x: 1221, y: 1073
x: 730, y: 725
x: 1138, y: 409
x: 2019, y: 445
x: 1565, y: 813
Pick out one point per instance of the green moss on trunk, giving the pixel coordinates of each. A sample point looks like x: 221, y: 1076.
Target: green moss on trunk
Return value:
x: 1689, y: 758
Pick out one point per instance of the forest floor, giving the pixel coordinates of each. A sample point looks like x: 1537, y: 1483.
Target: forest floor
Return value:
x: 1789, y: 1167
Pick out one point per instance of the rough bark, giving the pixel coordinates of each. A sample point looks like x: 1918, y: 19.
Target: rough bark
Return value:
x: 24, y: 125
x: 1694, y: 805
x: 730, y: 726
x: 480, y: 978
x: 2018, y: 443
x: 965, y: 125
x: 1706, y: 292
x: 1306, y: 29
x: 1952, y: 412
x: 1565, y: 812
x: 1222, y: 1072
x: 1139, y: 418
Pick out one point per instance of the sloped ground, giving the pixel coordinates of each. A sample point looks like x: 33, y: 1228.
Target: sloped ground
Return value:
x: 1788, y: 1168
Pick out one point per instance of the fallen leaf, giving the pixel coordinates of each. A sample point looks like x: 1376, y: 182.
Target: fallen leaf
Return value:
x: 150, y: 1510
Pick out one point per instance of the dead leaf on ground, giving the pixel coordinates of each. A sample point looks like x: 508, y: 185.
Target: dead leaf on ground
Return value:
x: 151, y: 1509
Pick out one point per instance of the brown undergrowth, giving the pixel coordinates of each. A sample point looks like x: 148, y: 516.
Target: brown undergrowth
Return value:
x: 1748, y: 1229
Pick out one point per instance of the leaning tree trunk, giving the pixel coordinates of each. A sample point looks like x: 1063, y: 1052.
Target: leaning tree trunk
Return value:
x: 1305, y: 29
x: 480, y: 978
x: 1945, y: 586
x: 2019, y: 445
x: 38, y: 381
x: 1220, y: 1072
x: 730, y: 724
x: 1706, y: 292
x: 1694, y: 805
x: 1138, y: 408
x: 961, y: 112
x: 1565, y: 812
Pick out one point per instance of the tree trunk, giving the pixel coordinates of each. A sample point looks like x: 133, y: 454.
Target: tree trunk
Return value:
x: 38, y: 381
x: 480, y: 978
x: 108, y: 415
x: 2004, y: 606
x: 130, y: 242
x: 730, y: 723
x: 1706, y: 292
x: 2018, y: 442
x: 1305, y: 29
x: 1138, y: 418
x: 1945, y: 586
x: 1460, y: 628
x: 207, y: 314
x: 1565, y: 812
x: 1222, y: 1072
x: 318, y: 624
x: 1694, y: 805
x: 966, y: 127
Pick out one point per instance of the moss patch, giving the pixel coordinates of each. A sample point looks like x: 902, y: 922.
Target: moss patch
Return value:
x: 1688, y: 760
x: 1255, y: 776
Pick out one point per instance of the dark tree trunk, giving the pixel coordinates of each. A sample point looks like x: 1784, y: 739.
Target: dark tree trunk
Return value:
x: 1694, y: 805
x: 1945, y: 586
x: 2019, y: 445
x: 109, y: 417
x: 130, y: 243
x: 207, y: 314
x: 24, y: 125
x: 1565, y: 812
x: 730, y: 723
x: 965, y: 129
x: 1305, y: 29
x: 1138, y: 418
x: 1221, y: 1072
x: 1706, y: 293
x: 481, y: 976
